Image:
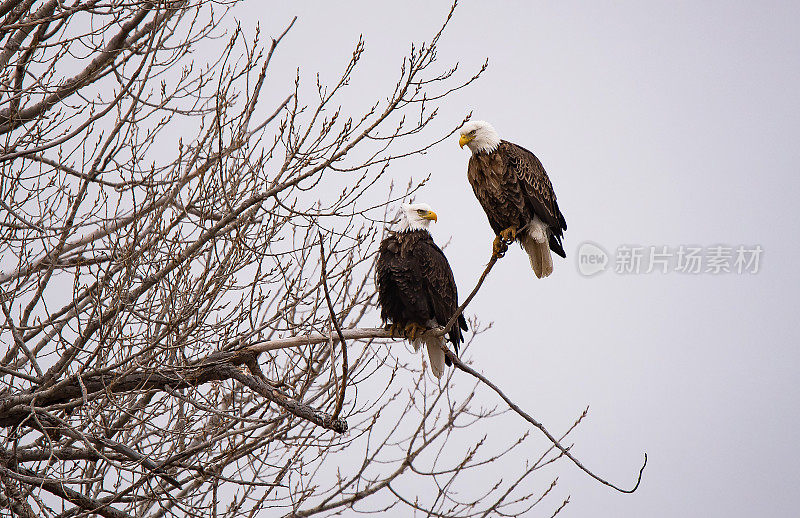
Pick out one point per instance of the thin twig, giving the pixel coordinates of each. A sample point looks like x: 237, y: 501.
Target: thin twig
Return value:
x: 461, y: 365
x: 19, y: 217
x: 463, y: 306
x: 340, y: 396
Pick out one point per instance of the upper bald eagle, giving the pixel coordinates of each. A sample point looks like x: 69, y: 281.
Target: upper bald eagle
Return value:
x: 516, y: 194
x: 416, y: 289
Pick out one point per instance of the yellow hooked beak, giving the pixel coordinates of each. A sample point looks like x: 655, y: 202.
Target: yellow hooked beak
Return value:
x: 430, y: 215
x: 464, y: 140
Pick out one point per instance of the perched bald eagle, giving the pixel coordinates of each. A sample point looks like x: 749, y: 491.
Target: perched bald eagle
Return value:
x: 416, y: 289
x: 516, y: 194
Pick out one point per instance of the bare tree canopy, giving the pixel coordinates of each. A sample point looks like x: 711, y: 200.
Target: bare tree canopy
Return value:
x: 187, y: 281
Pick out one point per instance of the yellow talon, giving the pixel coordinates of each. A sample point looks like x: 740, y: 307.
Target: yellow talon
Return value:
x: 413, y: 331
x: 509, y: 235
x: 499, y: 247
x: 395, y: 330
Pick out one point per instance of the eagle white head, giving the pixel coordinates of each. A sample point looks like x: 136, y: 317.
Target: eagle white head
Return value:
x: 416, y: 216
x: 479, y: 136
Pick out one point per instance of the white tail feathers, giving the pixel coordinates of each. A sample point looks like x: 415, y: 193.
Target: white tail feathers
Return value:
x: 435, y: 353
x: 539, y: 254
x: 535, y: 242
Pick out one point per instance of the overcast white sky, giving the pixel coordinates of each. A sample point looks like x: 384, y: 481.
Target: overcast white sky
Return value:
x: 660, y: 124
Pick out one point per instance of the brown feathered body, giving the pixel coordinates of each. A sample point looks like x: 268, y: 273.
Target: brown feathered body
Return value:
x: 515, y: 191
x: 416, y: 284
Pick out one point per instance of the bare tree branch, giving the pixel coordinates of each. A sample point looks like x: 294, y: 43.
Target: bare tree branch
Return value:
x: 335, y: 322
x: 174, y: 334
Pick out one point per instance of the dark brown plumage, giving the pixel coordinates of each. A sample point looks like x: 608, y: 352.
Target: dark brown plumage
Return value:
x: 516, y: 194
x: 416, y: 286
x: 513, y: 187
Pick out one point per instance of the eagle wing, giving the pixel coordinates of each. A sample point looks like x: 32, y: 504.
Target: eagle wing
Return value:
x: 441, y: 287
x: 535, y: 185
x: 398, y: 282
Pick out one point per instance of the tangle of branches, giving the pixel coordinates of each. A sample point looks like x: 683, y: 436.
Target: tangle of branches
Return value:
x: 186, y: 282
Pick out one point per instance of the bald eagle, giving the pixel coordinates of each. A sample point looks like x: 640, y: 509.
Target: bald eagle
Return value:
x: 416, y: 288
x: 516, y: 194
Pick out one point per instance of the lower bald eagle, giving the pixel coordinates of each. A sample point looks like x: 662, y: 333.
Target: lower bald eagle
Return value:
x: 516, y: 194
x: 416, y: 288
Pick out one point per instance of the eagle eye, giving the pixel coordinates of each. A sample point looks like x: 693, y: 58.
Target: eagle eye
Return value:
x: 473, y: 132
